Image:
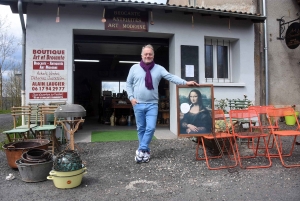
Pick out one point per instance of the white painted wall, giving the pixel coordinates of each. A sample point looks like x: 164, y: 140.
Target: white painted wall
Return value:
x: 43, y: 32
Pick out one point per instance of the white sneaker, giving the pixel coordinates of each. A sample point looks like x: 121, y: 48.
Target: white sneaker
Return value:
x: 139, y: 155
x: 146, y: 158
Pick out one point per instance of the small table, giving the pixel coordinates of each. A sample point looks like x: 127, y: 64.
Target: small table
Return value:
x: 117, y: 105
x: 74, y: 112
x: 73, y: 127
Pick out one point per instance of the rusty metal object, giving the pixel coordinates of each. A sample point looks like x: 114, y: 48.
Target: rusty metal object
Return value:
x: 36, y: 156
x: 14, y: 150
x: 34, y: 172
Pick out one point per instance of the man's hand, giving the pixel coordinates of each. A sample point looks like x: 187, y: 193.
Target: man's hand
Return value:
x: 191, y: 83
x: 133, y: 102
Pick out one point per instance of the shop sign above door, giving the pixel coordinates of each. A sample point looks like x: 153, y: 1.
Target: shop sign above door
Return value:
x: 126, y: 19
x: 292, y: 37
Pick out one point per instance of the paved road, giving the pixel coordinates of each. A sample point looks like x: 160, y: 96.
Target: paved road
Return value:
x: 5, y: 123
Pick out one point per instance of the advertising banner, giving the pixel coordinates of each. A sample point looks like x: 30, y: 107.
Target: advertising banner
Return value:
x: 48, y: 75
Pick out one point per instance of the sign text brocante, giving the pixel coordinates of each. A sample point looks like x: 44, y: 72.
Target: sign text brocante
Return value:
x: 126, y: 19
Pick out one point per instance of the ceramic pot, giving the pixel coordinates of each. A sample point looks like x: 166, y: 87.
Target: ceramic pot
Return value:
x: 67, y: 181
x: 63, y: 174
x: 167, y: 105
x: 133, y: 121
x: 122, y: 121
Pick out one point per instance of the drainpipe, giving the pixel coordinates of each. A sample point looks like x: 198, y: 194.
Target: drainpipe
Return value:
x: 266, y: 52
x: 20, y: 10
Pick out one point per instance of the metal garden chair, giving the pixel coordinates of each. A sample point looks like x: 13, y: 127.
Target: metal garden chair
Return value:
x: 224, y: 141
x: 254, y: 131
x: 262, y: 111
x: 274, y: 114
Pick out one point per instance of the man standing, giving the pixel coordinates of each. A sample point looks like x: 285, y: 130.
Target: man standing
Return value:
x: 142, y: 89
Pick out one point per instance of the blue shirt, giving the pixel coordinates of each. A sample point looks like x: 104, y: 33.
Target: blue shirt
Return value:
x: 135, y: 83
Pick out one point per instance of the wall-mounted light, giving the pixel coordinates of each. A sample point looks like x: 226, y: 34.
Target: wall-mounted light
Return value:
x: 57, y: 15
x: 103, y: 16
x: 151, y: 20
x: 193, y: 20
x: 85, y: 60
x: 129, y: 62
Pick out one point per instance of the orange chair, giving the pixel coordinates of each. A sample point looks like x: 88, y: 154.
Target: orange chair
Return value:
x: 227, y: 144
x: 253, y: 131
x: 274, y: 114
x: 262, y: 110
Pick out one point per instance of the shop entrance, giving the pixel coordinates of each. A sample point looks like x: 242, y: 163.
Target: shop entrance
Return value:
x: 100, y: 79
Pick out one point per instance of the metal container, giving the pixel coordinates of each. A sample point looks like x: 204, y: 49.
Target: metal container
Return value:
x: 36, y: 156
x: 34, y: 172
x: 70, y: 110
x: 71, y: 181
x: 14, y: 150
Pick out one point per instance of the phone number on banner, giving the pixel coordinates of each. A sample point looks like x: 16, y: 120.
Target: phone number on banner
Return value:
x: 48, y: 88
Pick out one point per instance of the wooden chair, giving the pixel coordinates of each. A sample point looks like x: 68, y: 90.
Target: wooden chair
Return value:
x: 58, y: 103
x: 60, y: 129
x: 16, y: 133
x: 254, y: 131
x: 262, y: 111
x: 274, y: 114
x: 225, y: 143
x: 34, y: 119
x: 47, y: 128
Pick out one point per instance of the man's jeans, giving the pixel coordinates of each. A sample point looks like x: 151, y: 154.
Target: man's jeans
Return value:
x: 145, y: 117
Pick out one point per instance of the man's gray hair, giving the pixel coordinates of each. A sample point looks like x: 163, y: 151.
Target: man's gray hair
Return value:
x: 148, y: 46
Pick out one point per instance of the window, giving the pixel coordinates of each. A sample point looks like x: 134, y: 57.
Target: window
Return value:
x: 217, y: 60
x: 113, y: 86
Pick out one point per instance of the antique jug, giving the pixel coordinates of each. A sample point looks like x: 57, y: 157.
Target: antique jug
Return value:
x: 162, y: 105
x: 122, y: 121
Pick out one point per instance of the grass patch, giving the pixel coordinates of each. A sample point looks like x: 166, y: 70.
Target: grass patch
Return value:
x: 4, y: 111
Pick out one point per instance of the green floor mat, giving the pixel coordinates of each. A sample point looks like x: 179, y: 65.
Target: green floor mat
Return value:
x: 110, y: 136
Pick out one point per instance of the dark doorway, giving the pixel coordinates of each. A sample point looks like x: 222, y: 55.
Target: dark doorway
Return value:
x: 88, y: 76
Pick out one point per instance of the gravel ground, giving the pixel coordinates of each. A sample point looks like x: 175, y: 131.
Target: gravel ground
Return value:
x: 172, y: 174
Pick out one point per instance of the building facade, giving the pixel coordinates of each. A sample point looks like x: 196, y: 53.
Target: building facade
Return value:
x: 218, y: 45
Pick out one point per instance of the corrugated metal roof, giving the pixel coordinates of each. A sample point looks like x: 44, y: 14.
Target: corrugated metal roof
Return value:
x: 147, y: 5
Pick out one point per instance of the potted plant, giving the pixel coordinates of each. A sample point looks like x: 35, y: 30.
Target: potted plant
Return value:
x: 290, y: 119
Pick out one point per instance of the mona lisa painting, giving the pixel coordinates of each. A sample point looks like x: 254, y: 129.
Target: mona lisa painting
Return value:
x: 194, y: 109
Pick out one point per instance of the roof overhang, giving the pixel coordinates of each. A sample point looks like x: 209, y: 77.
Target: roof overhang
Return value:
x: 255, y: 18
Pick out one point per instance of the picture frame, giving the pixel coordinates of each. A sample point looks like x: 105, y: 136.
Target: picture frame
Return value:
x: 194, y: 116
